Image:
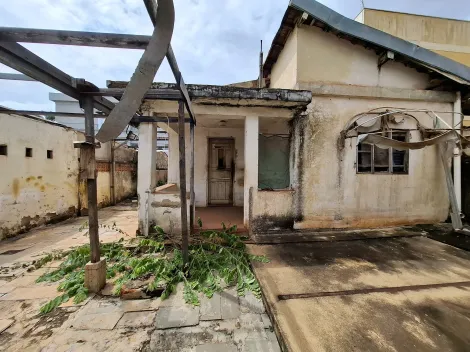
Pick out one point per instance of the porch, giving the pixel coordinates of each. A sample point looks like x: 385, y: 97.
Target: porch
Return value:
x: 240, y: 147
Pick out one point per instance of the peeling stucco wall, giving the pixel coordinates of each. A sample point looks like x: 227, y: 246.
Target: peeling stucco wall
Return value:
x: 330, y: 194
x: 272, y: 210
x: 37, y: 190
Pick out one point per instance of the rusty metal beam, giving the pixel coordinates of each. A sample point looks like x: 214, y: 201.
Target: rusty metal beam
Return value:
x: 157, y: 94
x: 76, y: 38
x: 22, y: 60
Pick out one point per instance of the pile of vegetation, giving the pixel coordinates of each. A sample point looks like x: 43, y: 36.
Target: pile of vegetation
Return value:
x: 216, y: 258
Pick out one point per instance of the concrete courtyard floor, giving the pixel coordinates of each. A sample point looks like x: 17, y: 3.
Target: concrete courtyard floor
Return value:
x: 225, y: 322
x: 393, y: 293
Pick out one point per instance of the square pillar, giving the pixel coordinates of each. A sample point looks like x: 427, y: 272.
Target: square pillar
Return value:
x: 251, y: 163
x: 146, y: 171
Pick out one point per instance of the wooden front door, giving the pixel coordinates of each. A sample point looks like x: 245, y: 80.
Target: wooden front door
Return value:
x: 221, y: 166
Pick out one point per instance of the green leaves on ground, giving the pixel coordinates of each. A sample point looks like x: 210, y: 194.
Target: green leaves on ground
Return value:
x: 216, y: 259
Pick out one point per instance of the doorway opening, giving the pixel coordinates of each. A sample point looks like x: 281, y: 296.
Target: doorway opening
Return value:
x: 221, y: 171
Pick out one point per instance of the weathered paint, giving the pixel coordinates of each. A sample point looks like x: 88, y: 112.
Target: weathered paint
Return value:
x: 333, y: 195
x: 34, y: 190
x: 37, y: 190
x: 445, y: 36
x: 323, y: 57
x: 165, y: 209
x: 284, y: 73
x: 328, y: 193
x: 272, y: 210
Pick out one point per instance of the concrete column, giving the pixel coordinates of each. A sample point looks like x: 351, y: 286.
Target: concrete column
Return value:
x: 251, y: 163
x: 146, y: 175
x: 457, y: 124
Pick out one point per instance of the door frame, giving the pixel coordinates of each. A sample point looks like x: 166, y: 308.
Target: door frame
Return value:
x: 232, y: 142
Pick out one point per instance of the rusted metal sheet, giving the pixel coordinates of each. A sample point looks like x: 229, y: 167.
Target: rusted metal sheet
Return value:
x: 144, y: 74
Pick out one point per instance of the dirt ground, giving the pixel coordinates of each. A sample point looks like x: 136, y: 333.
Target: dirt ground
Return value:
x: 384, y: 294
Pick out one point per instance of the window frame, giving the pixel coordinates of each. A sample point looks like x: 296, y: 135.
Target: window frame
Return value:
x: 28, y: 152
x: 388, y: 134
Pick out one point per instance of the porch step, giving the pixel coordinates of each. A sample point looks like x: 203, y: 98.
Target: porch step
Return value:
x: 331, y: 235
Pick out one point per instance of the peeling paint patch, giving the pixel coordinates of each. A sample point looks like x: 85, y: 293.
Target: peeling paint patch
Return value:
x: 267, y: 223
x: 166, y: 203
x: 15, y: 189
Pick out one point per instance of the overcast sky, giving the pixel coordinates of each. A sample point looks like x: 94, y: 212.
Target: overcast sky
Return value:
x: 215, y: 41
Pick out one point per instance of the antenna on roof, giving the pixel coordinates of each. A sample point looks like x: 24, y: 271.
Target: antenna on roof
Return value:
x: 363, y: 6
x: 260, y: 79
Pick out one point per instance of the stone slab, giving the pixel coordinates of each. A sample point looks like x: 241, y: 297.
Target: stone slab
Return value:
x: 260, y: 346
x: 211, y: 307
x: 242, y: 335
x: 250, y: 304
x: 176, y: 298
x: 137, y: 319
x: 5, y: 324
x: 230, y: 308
x: 216, y: 347
x: 176, y: 317
x: 140, y: 305
x: 103, y: 321
x: 38, y: 292
x: 22, y: 281
x: 251, y: 321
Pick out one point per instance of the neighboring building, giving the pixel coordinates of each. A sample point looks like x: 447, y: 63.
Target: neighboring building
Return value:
x: 64, y: 103
x: 293, y: 167
x: 447, y: 37
x: 39, y: 180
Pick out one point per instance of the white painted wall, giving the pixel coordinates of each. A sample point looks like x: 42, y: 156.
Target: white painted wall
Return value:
x: 36, y: 190
x: 201, y: 144
x: 329, y: 192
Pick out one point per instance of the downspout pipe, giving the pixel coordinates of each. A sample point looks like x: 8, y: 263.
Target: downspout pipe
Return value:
x: 457, y: 123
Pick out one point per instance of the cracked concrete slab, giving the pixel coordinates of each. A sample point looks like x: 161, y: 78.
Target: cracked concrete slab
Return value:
x: 211, y: 307
x: 177, y: 317
x: 345, y: 317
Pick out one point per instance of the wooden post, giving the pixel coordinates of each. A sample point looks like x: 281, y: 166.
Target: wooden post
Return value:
x: 91, y: 181
x: 113, y: 172
x: 184, y: 203
x: 191, y: 180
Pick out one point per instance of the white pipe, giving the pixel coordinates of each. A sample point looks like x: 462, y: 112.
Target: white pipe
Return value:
x: 457, y: 123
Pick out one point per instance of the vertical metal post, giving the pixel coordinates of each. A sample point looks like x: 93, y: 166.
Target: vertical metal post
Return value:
x: 260, y: 78
x: 191, y: 179
x: 184, y: 202
x: 454, y: 205
x: 91, y: 182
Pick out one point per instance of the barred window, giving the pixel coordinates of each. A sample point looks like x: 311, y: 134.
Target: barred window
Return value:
x: 372, y: 159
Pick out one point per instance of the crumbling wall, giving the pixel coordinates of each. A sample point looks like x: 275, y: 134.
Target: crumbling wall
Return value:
x: 35, y: 189
x: 44, y: 187
x: 125, y: 178
x: 331, y: 194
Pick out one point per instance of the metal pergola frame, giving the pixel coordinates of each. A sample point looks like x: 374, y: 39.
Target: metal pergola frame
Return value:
x: 91, y: 97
